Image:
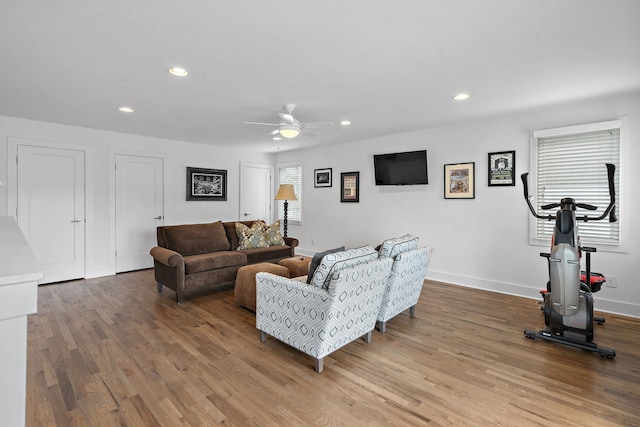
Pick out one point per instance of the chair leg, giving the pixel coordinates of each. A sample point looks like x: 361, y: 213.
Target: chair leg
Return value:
x: 159, y: 287
x: 367, y: 337
x: 263, y: 336
x: 319, y: 365
x: 382, y: 327
x: 412, y: 310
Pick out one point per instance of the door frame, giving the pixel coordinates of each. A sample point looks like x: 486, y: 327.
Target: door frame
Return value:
x: 113, y: 152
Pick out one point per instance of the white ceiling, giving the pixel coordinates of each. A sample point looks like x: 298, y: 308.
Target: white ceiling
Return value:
x: 388, y: 66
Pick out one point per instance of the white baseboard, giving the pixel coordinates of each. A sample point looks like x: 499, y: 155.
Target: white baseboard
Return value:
x: 601, y: 304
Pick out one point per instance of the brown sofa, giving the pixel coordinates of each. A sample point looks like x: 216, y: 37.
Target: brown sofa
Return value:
x: 196, y: 255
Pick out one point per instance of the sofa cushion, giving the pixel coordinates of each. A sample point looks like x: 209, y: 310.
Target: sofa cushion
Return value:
x: 315, y: 261
x: 214, y: 260
x: 337, y: 261
x: 392, y: 247
x: 268, y: 254
x: 193, y: 239
x: 251, y: 238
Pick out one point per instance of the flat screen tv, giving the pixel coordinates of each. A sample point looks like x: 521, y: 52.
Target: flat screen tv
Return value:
x: 408, y: 168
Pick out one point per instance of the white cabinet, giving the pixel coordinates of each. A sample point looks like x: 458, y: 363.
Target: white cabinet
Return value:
x: 19, y: 275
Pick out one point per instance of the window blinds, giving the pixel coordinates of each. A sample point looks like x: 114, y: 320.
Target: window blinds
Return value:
x: 573, y: 165
x: 291, y: 174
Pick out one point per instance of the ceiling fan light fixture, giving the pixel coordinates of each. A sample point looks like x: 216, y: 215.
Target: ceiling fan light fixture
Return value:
x: 289, y: 131
x: 178, y: 71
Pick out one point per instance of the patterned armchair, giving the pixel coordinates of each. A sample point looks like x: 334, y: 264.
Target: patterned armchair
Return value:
x: 406, y: 279
x: 319, y: 320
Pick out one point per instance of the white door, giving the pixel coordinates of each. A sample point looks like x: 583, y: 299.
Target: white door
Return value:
x: 255, y: 192
x: 50, y: 209
x: 139, y: 210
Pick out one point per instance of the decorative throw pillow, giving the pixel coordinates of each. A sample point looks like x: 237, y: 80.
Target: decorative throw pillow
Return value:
x: 315, y: 261
x: 250, y: 238
x: 272, y: 234
x: 392, y: 247
x: 337, y: 261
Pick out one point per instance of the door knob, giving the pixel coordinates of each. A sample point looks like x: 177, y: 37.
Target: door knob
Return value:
x: 77, y: 220
x: 157, y: 217
x: 246, y: 214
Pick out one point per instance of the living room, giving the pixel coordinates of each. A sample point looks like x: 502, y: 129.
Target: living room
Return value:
x: 480, y: 243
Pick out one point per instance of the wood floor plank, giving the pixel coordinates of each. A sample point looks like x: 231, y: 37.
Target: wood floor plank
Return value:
x: 111, y: 351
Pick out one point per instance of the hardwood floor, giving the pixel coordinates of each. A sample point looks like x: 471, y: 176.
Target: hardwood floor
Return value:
x: 112, y: 352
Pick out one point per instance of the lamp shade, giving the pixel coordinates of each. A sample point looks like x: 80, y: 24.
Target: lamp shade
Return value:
x: 286, y: 192
x: 289, y: 131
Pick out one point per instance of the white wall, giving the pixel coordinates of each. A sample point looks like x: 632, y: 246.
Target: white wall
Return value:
x: 100, y: 146
x: 481, y: 242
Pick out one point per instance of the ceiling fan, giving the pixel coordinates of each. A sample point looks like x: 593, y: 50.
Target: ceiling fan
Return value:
x: 289, y: 126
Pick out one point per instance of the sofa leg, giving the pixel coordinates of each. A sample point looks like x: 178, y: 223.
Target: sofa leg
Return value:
x: 159, y: 287
x: 367, y: 337
x: 263, y: 336
x: 382, y: 327
x: 412, y: 310
x: 178, y: 298
x: 319, y: 365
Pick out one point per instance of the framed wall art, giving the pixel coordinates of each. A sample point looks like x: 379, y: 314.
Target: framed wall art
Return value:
x: 459, y: 181
x: 206, y: 184
x: 322, y: 177
x: 502, y: 168
x: 350, y: 187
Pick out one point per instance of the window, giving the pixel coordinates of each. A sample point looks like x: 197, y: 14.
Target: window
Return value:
x: 291, y: 173
x: 570, y: 162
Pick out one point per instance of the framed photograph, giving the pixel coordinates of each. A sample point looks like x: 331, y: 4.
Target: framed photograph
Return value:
x: 459, y: 181
x: 350, y: 187
x: 502, y: 168
x: 206, y: 184
x: 322, y: 177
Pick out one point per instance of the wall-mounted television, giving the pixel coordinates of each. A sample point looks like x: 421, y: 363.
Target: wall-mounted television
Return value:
x: 408, y: 168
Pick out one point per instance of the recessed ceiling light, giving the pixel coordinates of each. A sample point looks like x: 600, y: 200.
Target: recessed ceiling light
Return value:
x: 178, y: 71
x: 126, y: 109
x: 461, y: 97
x: 345, y: 123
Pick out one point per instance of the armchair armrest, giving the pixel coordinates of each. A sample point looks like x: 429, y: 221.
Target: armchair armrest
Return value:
x: 166, y: 256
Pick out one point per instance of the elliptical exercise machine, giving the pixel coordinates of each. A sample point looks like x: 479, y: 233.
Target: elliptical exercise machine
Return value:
x: 568, y: 299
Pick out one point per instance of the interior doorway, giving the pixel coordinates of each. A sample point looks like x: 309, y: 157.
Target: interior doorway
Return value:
x: 50, y: 209
x: 139, y: 209
x: 255, y: 192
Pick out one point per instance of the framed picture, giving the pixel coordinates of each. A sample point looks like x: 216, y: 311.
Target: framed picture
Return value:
x: 322, y: 177
x: 502, y: 168
x: 350, y: 187
x: 459, y: 181
x: 206, y: 184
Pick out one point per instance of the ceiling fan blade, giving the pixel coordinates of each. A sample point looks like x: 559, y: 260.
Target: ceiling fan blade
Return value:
x: 261, y: 124
x: 317, y: 124
x: 274, y: 132
x: 309, y: 131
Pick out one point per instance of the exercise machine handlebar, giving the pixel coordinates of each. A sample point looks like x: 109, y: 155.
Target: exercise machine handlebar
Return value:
x: 610, y: 210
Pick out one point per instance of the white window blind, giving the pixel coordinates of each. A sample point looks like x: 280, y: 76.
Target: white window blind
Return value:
x: 291, y: 174
x: 572, y: 164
